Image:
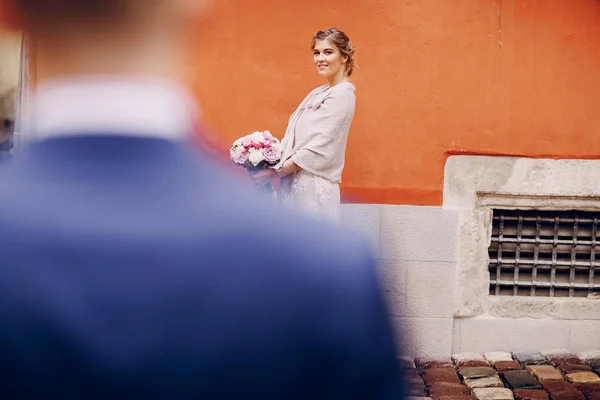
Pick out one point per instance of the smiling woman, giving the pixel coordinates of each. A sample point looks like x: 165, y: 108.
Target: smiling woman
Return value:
x: 332, y: 50
x: 314, y: 145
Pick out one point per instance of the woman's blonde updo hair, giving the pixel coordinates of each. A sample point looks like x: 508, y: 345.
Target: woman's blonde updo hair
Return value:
x: 341, y: 42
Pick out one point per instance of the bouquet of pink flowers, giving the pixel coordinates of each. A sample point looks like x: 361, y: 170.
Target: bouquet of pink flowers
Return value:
x: 256, y: 151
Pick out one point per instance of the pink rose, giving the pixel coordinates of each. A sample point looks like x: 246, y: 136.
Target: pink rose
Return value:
x: 247, y: 143
x: 240, y: 155
x: 256, y: 144
x: 272, y: 155
x: 267, y: 143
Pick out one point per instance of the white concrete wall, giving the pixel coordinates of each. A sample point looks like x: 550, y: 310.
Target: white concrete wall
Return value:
x: 416, y: 247
x: 434, y: 260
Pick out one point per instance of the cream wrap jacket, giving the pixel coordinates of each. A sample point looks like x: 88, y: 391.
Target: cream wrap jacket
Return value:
x: 317, y: 131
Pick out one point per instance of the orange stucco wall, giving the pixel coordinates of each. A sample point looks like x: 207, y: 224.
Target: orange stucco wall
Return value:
x: 436, y: 77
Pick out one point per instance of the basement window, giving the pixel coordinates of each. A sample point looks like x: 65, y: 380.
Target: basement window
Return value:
x: 544, y: 253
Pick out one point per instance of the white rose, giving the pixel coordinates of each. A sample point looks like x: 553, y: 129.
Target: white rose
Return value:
x: 258, y: 136
x: 256, y: 156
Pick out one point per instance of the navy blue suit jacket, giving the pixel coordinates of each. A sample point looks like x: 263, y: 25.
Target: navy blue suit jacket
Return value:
x: 136, y: 268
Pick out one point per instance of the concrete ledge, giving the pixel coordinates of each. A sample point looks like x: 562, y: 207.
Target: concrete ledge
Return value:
x: 480, y: 334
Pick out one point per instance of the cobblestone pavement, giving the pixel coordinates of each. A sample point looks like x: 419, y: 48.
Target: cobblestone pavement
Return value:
x: 549, y: 375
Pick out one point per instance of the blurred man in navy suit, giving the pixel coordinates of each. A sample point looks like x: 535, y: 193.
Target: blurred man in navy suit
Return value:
x: 133, y: 267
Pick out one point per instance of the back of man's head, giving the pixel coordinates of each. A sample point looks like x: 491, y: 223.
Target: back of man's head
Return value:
x: 44, y: 15
x: 79, y: 8
x: 104, y: 36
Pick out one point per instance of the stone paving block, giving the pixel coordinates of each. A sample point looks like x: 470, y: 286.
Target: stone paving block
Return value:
x: 582, y: 377
x: 573, y: 361
x: 567, y: 395
x: 433, y: 362
x: 503, y: 366
x: 448, y: 389
x: 458, y: 397
x: 496, y: 356
x: 562, y: 390
x: 589, y: 355
x: 462, y: 357
x: 545, y: 372
x: 554, y: 385
x: 588, y: 388
x: 530, y: 358
x: 432, y: 376
x: 520, y: 380
x: 487, y: 382
x: 472, y: 364
x: 594, y: 363
x: 531, y: 394
x: 559, y: 361
x: 476, y: 372
x: 493, y: 394
x: 573, y: 368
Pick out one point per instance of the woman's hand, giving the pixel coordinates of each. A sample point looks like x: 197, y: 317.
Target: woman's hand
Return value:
x: 288, y: 167
x: 263, y: 176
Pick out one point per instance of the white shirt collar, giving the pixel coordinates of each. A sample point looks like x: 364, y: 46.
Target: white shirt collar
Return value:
x: 129, y: 107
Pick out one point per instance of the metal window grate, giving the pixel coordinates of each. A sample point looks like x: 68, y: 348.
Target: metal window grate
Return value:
x: 544, y: 253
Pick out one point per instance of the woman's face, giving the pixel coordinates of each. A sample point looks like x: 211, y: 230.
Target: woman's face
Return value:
x: 328, y: 60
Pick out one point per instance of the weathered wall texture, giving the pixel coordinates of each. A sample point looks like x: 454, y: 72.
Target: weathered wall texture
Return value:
x: 436, y: 77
